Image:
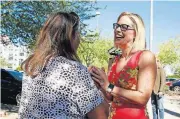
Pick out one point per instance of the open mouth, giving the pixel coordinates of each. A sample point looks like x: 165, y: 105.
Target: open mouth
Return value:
x: 119, y: 37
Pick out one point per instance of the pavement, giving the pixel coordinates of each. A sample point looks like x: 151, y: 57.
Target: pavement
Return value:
x: 9, y: 111
x: 171, y: 107
x: 171, y: 104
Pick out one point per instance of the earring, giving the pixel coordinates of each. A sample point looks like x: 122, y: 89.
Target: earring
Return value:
x: 133, y: 39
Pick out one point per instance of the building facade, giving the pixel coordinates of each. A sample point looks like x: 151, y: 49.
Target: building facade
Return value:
x: 14, y: 55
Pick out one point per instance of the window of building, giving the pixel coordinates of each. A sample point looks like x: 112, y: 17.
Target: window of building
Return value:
x: 10, y: 57
x: 20, y: 61
x: 21, y: 54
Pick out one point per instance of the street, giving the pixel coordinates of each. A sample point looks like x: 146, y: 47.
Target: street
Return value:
x: 172, y: 107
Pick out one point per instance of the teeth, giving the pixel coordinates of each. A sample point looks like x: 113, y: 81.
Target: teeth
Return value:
x: 119, y: 36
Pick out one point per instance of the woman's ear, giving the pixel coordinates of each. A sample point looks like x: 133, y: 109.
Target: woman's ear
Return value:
x: 134, y: 33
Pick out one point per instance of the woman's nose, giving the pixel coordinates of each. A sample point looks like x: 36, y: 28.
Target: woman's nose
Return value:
x: 118, y: 29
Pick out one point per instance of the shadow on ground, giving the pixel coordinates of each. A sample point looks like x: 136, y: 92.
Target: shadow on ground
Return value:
x: 172, y: 113
x: 10, y: 108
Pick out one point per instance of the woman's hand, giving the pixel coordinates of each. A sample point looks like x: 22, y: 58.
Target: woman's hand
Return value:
x: 101, y: 81
x: 100, y: 77
x: 90, y: 71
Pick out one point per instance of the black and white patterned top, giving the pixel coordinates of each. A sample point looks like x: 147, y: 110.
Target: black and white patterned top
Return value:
x: 64, y: 90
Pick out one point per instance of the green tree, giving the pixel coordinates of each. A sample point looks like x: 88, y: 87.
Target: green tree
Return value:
x: 21, y: 21
x: 19, y: 68
x: 170, y: 54
x: 93, y: 50
x: 86, y: 49
x: 4, y: 63
x: 101, y: 48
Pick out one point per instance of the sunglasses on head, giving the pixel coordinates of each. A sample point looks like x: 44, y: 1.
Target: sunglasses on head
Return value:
x: 123, y: 27
x: 76, y: 21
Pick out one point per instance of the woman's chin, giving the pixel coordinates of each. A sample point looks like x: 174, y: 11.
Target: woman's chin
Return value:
x: 121, y: 46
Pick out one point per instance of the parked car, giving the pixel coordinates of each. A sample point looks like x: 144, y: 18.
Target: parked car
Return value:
x: 11, y: 85
x: 175, y: 86
x: 169, y: 81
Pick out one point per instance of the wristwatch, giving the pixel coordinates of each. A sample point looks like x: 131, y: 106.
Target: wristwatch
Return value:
x: 110, y: 88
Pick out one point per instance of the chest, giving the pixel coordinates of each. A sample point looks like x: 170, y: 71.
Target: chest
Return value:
x: 124, y: 74
x: 120, y: 65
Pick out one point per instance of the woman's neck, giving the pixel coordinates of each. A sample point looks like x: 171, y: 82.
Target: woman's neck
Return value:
x: 128, y: 52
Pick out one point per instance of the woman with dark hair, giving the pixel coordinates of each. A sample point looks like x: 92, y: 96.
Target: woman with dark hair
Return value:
x: 56, y: 85
x: 132, y: 74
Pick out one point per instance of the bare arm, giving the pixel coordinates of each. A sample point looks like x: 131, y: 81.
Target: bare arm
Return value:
x: 146, y: 79
x: 100, y: 112
x: 108, y: 97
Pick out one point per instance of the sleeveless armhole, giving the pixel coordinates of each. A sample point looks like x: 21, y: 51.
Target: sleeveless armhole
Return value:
x: 138, y: 57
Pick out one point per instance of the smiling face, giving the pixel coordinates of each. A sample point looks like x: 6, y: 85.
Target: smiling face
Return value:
x: 124, y: 33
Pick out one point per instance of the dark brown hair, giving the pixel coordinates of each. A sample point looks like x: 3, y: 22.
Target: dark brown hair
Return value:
x: 54, y: 39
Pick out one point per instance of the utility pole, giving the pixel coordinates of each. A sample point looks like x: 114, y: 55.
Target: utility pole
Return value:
x: 151, y: 27
x: 97, y: 17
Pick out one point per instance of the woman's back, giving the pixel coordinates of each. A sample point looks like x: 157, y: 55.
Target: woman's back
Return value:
x: 64, y: 89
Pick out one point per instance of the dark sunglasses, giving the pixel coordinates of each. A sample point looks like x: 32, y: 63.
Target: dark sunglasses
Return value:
x: 124, y: 27
x: 76, y: 18
x: 76, y: 24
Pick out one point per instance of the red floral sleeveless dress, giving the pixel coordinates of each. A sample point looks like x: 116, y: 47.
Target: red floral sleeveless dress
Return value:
x: 127, y: 78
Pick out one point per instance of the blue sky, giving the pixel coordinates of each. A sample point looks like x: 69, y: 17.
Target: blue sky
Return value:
x: 166, y: 19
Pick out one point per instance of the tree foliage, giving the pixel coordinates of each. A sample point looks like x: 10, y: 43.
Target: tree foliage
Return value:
x: 170, y: 54
x: 4, y: 63
x: 18, y: 68
x: 85, y: 50
x: 22, y: 20
x: 94, y: 52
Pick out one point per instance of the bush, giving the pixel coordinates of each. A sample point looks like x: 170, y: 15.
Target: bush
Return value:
x: 18, y: 68
x: 174, y: 76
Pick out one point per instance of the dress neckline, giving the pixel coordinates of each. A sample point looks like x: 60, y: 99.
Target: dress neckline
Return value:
x: 127, y: 63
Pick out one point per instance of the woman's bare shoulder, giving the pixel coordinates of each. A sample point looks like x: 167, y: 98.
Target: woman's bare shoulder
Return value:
x: 147, y: 58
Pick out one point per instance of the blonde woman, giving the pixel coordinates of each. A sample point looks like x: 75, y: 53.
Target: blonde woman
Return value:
x: 131, y: 78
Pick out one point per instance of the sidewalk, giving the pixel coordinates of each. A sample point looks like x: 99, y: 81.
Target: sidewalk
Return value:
x: 171, y: 105
x: 9, y: 116
x: 8, y: 111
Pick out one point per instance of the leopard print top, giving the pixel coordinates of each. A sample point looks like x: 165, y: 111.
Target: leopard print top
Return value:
x: 63, y: 90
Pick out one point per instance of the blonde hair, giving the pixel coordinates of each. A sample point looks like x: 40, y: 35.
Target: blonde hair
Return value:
x: 139, y: 27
